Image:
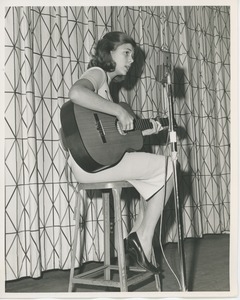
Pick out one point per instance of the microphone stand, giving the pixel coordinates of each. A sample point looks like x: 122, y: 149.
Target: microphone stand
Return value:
x: 173, y: 141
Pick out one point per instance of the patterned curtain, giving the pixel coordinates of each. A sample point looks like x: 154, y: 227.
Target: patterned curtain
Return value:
x: 46, y: 50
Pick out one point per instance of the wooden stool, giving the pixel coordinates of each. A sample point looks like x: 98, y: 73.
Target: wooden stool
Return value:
x: 88, y: 276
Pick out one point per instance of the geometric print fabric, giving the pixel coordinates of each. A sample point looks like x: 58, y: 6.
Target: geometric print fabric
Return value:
x: 46, y: 51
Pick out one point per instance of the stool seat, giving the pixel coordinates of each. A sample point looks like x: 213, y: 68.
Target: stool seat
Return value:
x: 105, y: 185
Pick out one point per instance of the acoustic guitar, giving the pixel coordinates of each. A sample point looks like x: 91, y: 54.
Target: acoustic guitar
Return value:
x: 96, y: 140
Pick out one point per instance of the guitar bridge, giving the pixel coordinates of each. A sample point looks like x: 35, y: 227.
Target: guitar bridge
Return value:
x: 99, y: 128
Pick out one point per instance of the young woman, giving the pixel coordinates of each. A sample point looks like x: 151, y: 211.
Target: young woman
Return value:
x: 114, y: 54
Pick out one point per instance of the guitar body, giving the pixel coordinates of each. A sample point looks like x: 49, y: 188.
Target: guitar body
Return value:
x: 94, y: 139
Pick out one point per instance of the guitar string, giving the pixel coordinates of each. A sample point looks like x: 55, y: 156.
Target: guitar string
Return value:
x: 139, y: 123
x: 111, y: 125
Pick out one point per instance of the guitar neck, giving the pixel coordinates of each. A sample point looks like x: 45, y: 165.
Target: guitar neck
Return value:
x: 143, y: 124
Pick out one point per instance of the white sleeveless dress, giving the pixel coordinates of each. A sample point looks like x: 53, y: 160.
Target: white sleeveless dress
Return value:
x: 147, y: 172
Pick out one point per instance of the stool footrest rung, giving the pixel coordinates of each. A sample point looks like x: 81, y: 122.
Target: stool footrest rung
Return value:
x: 87, y: 277
x: 92, y: 272
x: 93, y: 281
x: 133, y: 269
x: 139, y: 278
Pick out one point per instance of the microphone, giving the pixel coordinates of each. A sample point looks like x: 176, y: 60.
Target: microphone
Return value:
x: 165, y: 66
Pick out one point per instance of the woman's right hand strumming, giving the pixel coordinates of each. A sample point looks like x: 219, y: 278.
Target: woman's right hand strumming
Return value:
x: 125, y: 119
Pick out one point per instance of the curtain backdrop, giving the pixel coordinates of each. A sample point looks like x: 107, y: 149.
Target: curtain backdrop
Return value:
x: 46, y: 51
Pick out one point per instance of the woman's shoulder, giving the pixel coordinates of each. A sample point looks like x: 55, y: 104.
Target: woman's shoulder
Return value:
x: 96, y: 75
x: 94, y: 70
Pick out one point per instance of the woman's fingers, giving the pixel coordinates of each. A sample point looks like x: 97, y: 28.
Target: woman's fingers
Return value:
x: 156, y: 126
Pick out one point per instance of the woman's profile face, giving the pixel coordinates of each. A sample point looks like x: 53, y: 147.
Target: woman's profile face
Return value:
x: 123, y: 57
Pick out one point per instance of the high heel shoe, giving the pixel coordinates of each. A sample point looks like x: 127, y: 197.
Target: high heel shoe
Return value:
x: 136, y: 251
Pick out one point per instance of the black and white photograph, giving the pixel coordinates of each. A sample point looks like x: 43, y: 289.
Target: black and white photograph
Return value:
x: 119, y: 138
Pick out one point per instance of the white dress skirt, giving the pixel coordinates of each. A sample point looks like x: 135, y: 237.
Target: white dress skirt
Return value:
x: 147, y: 172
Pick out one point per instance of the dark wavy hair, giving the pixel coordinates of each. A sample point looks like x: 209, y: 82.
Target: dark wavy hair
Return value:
x: 110, y: 41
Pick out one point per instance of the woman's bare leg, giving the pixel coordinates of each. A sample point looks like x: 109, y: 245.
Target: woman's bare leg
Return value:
x: 138, y: 221
x: 145, y: 225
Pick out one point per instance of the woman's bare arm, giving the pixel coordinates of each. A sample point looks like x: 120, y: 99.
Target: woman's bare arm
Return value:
x: 82, y: 93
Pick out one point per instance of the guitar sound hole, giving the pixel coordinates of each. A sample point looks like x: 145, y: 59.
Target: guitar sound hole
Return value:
x: 99, y: 128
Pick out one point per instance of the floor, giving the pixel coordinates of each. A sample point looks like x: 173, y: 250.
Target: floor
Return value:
x: 207, y: 269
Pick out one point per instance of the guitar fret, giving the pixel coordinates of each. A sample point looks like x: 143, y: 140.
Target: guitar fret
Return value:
x: 142, y: 124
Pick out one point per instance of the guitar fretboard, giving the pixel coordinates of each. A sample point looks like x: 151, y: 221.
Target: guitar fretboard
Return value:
x: 143, y: 124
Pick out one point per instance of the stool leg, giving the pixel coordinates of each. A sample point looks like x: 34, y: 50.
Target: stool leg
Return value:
x: 121, y: 254
x: 77, y: 219
x: 106, y: 215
